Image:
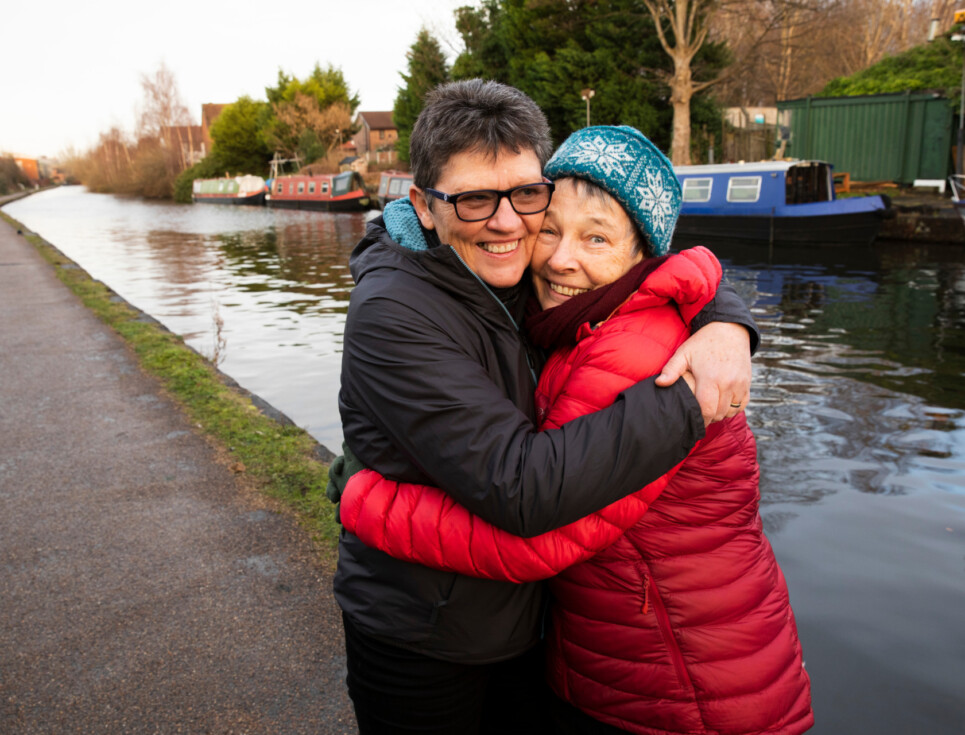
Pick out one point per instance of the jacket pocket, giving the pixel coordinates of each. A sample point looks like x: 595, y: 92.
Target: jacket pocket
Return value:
x: 653, y: 605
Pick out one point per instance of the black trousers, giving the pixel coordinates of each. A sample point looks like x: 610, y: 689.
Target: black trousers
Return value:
x: 397, y: 691
x: 568, y: 720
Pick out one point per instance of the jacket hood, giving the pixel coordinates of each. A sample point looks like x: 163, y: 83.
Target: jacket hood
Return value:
x: 438, y: 266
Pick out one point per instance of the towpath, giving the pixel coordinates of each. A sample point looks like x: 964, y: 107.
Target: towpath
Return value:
x: 143, y: 587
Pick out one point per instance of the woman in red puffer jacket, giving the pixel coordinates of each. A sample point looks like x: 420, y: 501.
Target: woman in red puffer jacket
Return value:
x: 670, y: 612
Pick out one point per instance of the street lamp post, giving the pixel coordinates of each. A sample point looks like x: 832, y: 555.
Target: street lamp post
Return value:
x: 586, y: 94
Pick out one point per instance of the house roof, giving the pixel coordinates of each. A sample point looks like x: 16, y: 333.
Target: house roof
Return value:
x: 378, y: 120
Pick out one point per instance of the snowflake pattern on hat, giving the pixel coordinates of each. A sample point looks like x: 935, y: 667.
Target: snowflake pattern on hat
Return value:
x: 608, y: 156
x: 659, y: 199
x: 626, y: 164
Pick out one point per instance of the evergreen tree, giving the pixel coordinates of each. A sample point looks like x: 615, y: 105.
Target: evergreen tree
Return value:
x: 554, y: 49
x: 427, y: 69
x: 239, y: 143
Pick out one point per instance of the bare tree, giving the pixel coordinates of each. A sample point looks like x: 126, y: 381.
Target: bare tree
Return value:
x: 682, y: 27
x: 786, y: 49
x: 869, y: 30
x: 164, y: 117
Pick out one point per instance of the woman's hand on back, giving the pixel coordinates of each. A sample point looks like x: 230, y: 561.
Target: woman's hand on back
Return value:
x: 719, y: 356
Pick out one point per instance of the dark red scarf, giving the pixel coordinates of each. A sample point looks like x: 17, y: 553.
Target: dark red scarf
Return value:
x: 557, y: 327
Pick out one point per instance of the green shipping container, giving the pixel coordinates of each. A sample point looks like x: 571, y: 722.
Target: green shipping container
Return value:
x: 882, y: 137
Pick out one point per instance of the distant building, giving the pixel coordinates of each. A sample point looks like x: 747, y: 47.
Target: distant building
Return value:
x: 375, y: 140
x: 40, y: 171
x: 30, y: 168
x: 746, y: 117
x: 353, y: 163
x: 50, y: 171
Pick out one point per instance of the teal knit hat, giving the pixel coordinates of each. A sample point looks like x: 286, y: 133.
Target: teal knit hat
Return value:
x: 625, y: 164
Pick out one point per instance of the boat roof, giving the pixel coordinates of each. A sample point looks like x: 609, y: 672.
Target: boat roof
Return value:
x: 743, y: 167
x: 314, y: 176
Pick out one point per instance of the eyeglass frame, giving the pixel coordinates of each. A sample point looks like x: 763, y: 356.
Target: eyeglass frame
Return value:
x: 505, y: 193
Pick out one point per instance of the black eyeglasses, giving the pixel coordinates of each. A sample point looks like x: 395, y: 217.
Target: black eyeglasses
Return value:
x: 475, y: 206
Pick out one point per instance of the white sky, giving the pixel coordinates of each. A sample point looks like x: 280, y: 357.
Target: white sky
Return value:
x: 72, y: 69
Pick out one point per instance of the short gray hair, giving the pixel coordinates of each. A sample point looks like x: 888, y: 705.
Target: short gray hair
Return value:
x: 474, y: 115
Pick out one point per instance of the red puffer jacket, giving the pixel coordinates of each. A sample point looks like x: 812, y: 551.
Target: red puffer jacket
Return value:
x: 673, y: 620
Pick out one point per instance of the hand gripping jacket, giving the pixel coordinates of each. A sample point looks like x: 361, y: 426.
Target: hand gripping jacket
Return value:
x: 671, y: 614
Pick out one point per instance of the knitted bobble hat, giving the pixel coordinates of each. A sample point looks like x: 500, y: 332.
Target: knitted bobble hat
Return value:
x: 624, y: 163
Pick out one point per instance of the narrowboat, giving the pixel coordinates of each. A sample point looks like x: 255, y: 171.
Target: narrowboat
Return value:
x: 344, y: 192
x: 393, y: 185
x: 235, y: 190
x: 791, y: 202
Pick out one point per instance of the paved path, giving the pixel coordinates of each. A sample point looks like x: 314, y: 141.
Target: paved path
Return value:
x: 143, y: 589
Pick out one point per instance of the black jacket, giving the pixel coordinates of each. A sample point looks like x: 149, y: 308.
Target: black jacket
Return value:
x: 438, y: 388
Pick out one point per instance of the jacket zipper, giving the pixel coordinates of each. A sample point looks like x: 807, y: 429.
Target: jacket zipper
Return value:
x: 651, y: 598
x: 529, y: 362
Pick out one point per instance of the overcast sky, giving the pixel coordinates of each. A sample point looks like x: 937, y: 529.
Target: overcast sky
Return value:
x: 72, y: 69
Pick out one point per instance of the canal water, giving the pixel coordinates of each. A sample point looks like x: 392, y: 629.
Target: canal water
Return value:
x: 858, y: 405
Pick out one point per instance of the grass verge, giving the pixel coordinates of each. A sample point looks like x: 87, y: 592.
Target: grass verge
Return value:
x: 278, y: 459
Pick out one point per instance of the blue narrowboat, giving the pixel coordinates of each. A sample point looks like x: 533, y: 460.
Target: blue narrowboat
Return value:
x: 790, y: 202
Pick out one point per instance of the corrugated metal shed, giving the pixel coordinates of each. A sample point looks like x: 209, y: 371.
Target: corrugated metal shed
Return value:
x: 884, y: 137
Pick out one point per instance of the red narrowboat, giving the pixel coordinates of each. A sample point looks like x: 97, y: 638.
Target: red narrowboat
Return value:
x: 344, y: 192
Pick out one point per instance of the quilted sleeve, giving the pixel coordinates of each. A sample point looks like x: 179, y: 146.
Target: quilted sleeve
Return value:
x: 425, y: 525
x: 422, y: 524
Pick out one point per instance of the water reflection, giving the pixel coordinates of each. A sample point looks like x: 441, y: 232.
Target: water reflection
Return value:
x: 861, y: 365
x: 272, y: 285
x: 858, y: 403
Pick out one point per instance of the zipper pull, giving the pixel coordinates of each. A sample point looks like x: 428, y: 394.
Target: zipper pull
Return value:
x: 646, y: 595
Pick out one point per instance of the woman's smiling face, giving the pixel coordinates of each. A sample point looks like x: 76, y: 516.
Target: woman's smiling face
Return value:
x: 586, y: 241
x: 496, y: 249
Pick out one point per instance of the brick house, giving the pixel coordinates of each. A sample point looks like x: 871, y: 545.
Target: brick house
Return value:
x: 376, y: 136
x: 30, y: 168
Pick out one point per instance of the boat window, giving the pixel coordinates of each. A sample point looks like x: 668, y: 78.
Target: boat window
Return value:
x: 744, y: 189
x: 279, y: 188
x: 311, y: 187
x: 342, y: 182
x: 809, y: 181
x: 301, y: 187
x: 291, y: 188
x: 396, y: 187
x: 324, y: 187
x: 697, y: 190
x: 220, y: 186
x: 383, y: 186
